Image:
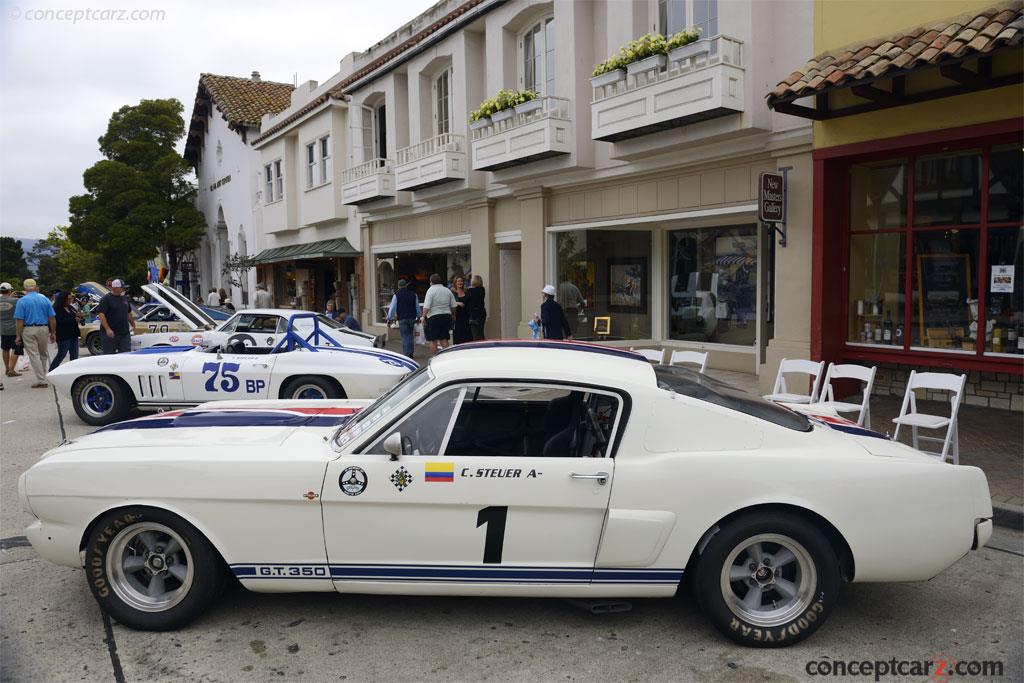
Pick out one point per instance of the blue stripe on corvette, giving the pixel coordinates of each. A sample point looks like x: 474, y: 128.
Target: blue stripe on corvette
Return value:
x: 389, y: 359
x: 466, y: 574
x: 242, y: 418
x: 157, y: 350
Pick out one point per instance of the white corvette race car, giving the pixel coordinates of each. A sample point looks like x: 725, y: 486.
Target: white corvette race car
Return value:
x: 104, y: 389
x: 260, y: 327
x: 506, y: 469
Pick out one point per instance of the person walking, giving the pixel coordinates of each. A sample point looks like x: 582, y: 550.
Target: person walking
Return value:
x: 460, y: 325
x: 262, y: 298
x: 552, y: 317
x: 213, y: 299
x: 68, y: 332
x: 476, y: 307
x: 116, y: 320
x: 36, y: 327
x: 8, y: 329
x: 405, y: 308
x: 438, y: 312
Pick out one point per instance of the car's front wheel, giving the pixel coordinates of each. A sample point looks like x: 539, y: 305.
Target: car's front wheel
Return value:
x: 94, y: 343
x: 768, y: 579
x: 150, y: 569
x: 310, y: 388
x: 101, y: 400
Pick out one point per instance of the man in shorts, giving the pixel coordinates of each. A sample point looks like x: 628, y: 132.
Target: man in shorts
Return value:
x: 438, y: 310
x: 8, y: 329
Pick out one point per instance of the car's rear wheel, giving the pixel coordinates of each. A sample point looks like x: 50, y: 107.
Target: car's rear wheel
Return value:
x: 94, y: 343
x: 310, y: 388
x: 768, y: 580
x: 150, y: 569
x: 101, y: 400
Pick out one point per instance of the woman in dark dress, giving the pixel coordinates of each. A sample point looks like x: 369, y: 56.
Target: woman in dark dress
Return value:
x: 460, y: 328
x: 475, y: 306
x: 68, y: 332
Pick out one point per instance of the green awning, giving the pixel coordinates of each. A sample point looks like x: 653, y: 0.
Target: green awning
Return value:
x: 322, y: 249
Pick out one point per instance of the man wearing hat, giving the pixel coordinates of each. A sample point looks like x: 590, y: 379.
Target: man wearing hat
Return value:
x: 262, y: 297
x: 405, y: 308
x: 8, y: 329
x: 116, y: 319
x: 36, y: 328
x: 552, y: 318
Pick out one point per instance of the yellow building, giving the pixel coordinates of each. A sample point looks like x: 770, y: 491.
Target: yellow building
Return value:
x: 917, y: 216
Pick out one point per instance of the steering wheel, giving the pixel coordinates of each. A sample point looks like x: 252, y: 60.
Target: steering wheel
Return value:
x: 247, y: 340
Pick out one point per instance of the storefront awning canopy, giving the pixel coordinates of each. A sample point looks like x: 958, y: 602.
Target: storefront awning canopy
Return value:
x: 322, y: 249
x: 875, y: 71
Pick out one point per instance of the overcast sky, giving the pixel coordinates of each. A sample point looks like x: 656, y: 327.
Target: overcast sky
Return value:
x: 61, y: 80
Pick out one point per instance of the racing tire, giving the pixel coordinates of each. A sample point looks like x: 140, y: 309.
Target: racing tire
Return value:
x: 101, y: 399
x: 310, y: 387
x: 786, y: 560
x: 94, y: 343
x: 151, y: 570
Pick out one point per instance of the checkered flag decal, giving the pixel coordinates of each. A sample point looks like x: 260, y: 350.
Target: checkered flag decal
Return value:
x: 401, y: 478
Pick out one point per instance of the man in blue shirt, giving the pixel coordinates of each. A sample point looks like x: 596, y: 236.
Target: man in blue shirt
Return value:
x: 348, y: 320
x: 405, y: 308
x: 36, y: 324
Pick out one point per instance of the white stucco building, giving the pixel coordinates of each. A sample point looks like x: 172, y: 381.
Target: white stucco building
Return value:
x: 225, y: 117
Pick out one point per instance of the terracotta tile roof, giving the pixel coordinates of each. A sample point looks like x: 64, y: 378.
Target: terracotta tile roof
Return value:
x: 338, y: 91
x: 974, y: 33
x: 240, y: 101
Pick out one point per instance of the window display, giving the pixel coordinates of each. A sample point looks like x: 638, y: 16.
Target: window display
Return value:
x: 416, y: 268
x: 878, y: 197
x: 944, y: 307
x: 713, y: 285
x: 876, y: 289
x: 1004, y: 326
x: 605, y: 274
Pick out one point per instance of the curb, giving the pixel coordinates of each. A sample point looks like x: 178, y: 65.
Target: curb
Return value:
x: 1008, y: 516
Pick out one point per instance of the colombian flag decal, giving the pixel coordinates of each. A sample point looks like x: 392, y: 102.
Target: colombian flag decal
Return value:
x: 439, y: 471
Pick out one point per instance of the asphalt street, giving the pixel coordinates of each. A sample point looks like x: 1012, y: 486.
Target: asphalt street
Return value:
x: 52, y: 630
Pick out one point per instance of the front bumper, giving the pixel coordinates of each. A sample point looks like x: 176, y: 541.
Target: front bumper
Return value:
x: 982, y: 532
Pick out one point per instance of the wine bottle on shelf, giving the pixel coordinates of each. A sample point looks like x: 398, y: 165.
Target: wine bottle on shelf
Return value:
x: 887, y: 330
x: 897, y: 335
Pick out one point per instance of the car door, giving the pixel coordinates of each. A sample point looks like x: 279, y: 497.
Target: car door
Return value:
x: 498, y: 483
x: 209, y: 376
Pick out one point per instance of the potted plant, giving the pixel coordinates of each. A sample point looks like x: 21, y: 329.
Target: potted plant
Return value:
x: 503, y: 106
x: 479, y: 122
x: 647, y: 53
x: 686, y: 44
x: 608, y: 72
x: 531, y: 101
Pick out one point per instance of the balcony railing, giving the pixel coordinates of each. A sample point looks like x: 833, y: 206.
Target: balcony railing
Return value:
x: 438, y: 160
x: 373, y: 179
x: 696, y: 82
x: 535, y: 130
x: 446, y: 142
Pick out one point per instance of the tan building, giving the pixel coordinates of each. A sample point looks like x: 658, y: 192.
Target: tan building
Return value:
x: 634, y: 193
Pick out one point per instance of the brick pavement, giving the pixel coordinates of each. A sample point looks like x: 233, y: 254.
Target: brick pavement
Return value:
x: 990, y: 438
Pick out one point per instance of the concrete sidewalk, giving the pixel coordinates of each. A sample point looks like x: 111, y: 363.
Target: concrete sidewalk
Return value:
x: 991, y: 439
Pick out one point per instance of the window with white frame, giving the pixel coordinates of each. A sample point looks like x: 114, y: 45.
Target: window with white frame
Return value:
x: 310, y: 164
x: 268, y: 175
x: 677, y: 15
x: 325, y: 159
x: 278, y: 180
x: 442, y: 103
x: 537, y: 48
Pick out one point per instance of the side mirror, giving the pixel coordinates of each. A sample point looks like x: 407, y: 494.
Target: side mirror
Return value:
x: 393, y: 445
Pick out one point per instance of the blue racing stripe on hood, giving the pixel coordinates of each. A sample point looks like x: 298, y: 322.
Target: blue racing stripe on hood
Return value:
x: 242, y: 418
x: 394, y: 360
x: 157, y: 350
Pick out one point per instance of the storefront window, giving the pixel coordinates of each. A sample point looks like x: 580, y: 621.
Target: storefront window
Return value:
x: 944, y: 307
x: 1004, y: 327
x: 878, y: 197
x: 877, y: 266
x: 416, y: 268
x: 604, y: 283
x: 1005, y: 169
x: 713, y: 285
x: 947, y: 188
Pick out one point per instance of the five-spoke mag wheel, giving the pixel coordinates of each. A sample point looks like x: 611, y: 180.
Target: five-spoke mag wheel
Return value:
x: 150, y: 567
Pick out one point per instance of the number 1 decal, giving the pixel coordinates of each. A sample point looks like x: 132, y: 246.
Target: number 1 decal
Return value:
x: 494, y: 517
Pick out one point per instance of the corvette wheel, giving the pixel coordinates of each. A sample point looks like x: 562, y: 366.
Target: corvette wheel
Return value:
x: 94, y: 343
x: 151, y: 570
x: 768, y: 580
x: 100, y: 400
x: 309, y: 388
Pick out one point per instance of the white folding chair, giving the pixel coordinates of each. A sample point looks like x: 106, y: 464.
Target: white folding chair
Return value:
x: 698, y: 358
x: 857, y: 372
x: 653, y: 355
x: 780, y: 394
x: 940, y: 381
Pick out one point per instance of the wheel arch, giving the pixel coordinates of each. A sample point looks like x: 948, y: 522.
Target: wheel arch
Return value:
x: 106, y: 375
x: 304, y: 375
x: 844, y: 553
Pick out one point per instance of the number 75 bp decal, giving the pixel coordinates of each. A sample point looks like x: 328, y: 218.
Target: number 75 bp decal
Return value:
x: 229, y: 381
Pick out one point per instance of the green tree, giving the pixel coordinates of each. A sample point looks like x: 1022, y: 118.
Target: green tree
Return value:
x: 65, y: 264
x: 13, y: 267
x: 138, y: 199
x: 236, y: 267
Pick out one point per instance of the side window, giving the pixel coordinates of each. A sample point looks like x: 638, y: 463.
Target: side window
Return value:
x: 282, y: 325
x: 229, y: 326
x: 423, y: 431
x: 529, y: 421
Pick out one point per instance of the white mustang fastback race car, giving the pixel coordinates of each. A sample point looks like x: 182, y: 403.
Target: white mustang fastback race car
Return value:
x: 300, y: 365
x: 506, y: 469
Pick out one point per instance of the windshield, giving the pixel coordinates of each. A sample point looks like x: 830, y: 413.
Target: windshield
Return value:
x: 695, y: 385
x: 379, y: 409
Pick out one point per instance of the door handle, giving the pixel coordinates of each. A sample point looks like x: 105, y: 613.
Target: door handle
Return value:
x: 601, y: 477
